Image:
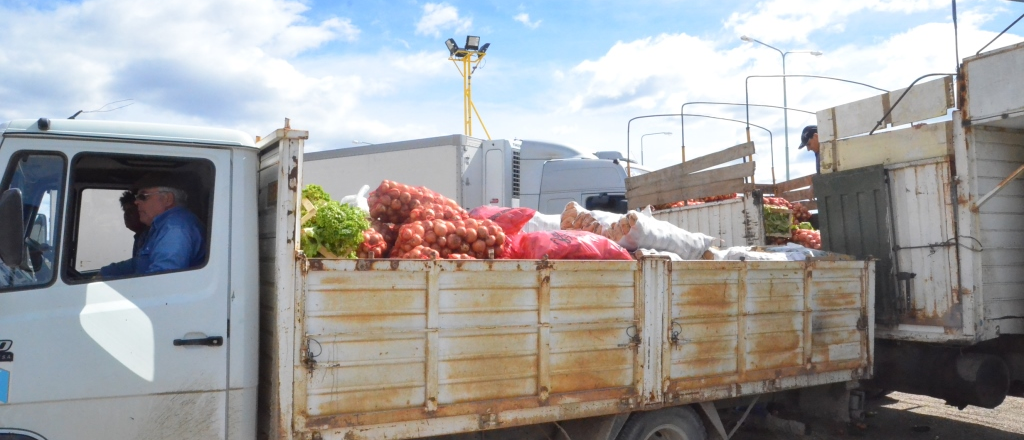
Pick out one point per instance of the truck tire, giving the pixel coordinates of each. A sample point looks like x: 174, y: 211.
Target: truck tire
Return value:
x: 676, y: 423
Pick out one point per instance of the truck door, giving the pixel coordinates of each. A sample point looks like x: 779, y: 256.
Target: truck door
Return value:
x: 134, y: 356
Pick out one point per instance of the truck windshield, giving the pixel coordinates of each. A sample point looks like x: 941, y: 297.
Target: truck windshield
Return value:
x: 40, y: 177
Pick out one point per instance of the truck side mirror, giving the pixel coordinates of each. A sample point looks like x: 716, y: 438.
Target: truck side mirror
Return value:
x: 12, y: 234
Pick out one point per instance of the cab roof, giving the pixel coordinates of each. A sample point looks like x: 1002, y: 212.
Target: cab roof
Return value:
x: 129, y: 130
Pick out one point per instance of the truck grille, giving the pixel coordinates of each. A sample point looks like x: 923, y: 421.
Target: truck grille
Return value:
x: 515, y: 173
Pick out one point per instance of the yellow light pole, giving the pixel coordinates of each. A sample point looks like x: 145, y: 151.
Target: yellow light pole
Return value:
x: 470, y: 57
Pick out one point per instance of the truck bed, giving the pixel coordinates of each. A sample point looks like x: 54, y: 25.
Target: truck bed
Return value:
x: 402, y: 349
x: 375, y: 349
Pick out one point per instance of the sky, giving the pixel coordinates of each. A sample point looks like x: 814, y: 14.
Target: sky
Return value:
x: 570, y: 71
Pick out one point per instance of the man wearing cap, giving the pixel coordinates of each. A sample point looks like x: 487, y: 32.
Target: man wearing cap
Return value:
x: 174, y: 240
x: 809, y: 139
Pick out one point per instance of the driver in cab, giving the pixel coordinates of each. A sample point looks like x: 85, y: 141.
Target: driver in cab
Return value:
x: 174, y: 238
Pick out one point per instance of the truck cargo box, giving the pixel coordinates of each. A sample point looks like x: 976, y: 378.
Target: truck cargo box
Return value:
x: 935, y: 203
x: 402, y: 349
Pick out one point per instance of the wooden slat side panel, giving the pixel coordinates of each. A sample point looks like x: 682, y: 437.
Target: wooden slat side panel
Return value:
x: 670, y: 183
x: 684, y: 169
x: 694, y: 192
x: 793, y: 184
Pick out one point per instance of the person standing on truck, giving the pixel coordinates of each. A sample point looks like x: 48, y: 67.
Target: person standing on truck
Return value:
x: 174, y: 240
x: 809, y: 139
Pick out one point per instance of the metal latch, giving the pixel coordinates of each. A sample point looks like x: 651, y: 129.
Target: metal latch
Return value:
x: 634, y: 336
x: 904, y: 280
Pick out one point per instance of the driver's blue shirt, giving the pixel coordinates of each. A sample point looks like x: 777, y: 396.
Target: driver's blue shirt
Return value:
x: 174, y: 241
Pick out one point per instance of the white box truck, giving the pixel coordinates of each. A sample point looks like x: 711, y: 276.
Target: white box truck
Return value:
x: 259, y: 341
x: 941, y: 207
x: 475, y: 172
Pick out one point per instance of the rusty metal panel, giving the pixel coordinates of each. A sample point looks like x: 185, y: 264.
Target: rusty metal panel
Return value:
x: 733, y: 222
x: 925, y: 244
x: 393, y: 342
x: 760, y: 322
x: 405, y: 349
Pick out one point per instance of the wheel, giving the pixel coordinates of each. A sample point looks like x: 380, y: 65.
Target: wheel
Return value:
x: 676, y: 423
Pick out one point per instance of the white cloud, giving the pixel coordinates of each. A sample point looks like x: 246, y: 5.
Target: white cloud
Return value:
x: 657, y: 75
x: 795, y: 20
x: 524, y: 18
x: 189, y: 65
x: 297, y: 39
x: 438, y: 17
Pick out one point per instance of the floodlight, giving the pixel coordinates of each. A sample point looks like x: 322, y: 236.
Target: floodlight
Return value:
x: 472, y: 43
x: 483, y: 49
x: 816, y: 53
x: 452, y: 47
x: 746, y: 38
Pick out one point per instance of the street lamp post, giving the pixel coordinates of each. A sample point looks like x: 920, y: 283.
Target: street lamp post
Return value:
x: 669, y: 133
x: 785, y: 112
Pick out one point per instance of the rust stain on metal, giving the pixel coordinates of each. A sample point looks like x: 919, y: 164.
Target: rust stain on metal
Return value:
x: 293, y: 174
x: 544, y: 264
x: 316, y: 264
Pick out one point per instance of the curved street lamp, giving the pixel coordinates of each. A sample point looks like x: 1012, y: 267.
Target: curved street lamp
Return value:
x: 746, y: 87
x: 669, y: 133
x: 785, y: 113
x: 771, y: 141
x: 682, y: 120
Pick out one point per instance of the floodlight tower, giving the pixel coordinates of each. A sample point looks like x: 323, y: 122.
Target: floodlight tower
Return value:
x: 470, y: 57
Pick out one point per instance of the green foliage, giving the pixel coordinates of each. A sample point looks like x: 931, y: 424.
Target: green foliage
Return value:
x: 776, y: 221
x: 337, y: 227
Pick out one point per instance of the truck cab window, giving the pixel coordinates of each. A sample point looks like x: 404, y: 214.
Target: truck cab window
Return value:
x: 40, y: 178
x: 137, y: 216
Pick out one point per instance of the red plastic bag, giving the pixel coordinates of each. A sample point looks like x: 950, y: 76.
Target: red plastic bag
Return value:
x: 564, y: 245
x: 511, y: 220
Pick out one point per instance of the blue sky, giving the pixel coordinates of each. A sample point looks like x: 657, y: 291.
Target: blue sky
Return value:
x: 565, y: 71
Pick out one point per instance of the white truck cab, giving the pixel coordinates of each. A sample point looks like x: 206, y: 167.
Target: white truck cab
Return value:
x: 146, y: 355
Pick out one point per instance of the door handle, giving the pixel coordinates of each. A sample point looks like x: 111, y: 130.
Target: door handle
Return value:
x: 212, y: 341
